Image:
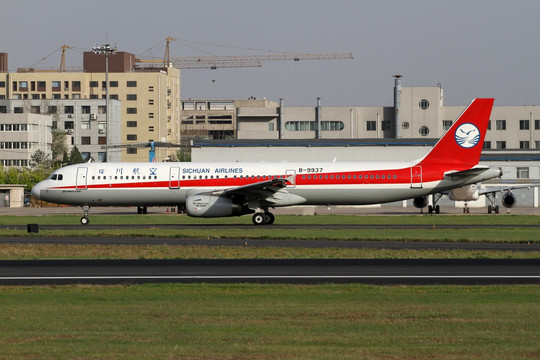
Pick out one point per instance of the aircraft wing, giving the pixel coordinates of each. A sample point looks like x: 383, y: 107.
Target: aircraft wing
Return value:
x: 493, y: 190
x: 269, y: 193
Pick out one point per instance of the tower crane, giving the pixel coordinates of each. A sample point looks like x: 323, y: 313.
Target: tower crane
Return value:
x: 230, y: 61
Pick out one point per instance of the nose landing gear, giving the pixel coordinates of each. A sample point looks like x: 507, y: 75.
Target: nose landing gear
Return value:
x: 85, y: 220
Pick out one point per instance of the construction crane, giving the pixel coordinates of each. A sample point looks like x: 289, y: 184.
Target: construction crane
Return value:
x: 230, y: 61
x: 62, y: 67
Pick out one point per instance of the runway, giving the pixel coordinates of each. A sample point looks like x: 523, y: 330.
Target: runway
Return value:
x: 306, y: 271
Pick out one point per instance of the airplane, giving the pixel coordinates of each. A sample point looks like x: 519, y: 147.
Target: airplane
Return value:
x: 473, y: 192
x: 219, y: 189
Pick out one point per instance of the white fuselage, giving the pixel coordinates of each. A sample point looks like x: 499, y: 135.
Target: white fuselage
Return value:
x: 154, y: 184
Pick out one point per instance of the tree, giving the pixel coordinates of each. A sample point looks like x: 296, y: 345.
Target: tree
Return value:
x: 40, y: 160
x: 59, y: 146
x: 183, y: 155
x: 75, y: 156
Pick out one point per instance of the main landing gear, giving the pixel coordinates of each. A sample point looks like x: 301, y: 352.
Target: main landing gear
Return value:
x: 263, y: 218
x: 435, y: 208
x: 85, y: 220
x: 492, y: 208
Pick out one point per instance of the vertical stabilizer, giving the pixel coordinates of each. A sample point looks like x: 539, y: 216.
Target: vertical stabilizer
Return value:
x: 461, y: 146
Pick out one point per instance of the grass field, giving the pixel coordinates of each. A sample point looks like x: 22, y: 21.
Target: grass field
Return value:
x: 269, y: 322
x: 494, y: 227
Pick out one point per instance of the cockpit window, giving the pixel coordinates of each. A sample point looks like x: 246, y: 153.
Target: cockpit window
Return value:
x: 56, y: 177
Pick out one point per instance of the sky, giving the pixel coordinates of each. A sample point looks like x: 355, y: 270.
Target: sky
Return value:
x: 472, y: 48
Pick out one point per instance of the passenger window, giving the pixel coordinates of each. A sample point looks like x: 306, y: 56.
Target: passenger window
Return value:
x: 60, y: 177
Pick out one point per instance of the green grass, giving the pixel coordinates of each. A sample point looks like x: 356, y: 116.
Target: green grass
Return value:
x: 48, y: 251
x: 490, y: 231
x: 269, y: 322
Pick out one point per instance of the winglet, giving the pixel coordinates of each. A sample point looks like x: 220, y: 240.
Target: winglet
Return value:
x: 461, y: 145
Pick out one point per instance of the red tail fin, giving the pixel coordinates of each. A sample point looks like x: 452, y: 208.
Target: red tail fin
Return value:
x: 462, y: 144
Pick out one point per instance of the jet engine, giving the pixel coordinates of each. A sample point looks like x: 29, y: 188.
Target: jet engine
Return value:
x: 420, y: 202
x: 464, y: 193
x: 509, y: 200
x: 212, y: 206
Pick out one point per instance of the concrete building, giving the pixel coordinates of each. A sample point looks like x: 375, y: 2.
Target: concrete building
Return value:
x: 21, y: 135
x: 82, y: 120
x: 150, y: 98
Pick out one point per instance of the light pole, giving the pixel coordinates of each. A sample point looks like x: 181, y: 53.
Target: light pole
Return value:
x: 106, y: 50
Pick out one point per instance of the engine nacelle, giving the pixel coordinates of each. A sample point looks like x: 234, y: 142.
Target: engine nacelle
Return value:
x: 211, y: 206
x: 420, y: 202
x: 509, y: 200
x: 464, y: 193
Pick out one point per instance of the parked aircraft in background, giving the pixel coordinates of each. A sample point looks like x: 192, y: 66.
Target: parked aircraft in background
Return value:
x: 230, y: 189
x: 472, y: 193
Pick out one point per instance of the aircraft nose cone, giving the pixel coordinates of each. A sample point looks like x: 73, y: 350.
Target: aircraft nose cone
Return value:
x: 36, y: 191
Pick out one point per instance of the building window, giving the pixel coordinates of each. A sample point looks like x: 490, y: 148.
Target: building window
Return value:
x: 113, y: 96
x: 501, y: 144
x: 2, y: 84
x: 487, y: 145
x: 386, y: 125
x: 424, y: 131
x: 523, y: 144
x: 69, y: 125
x: 94, y: 84
x: 371, y: 125
x: 332, y: 125
x: 523, y: 124
x: 131, y: 110
x: 446, y: 124
x: 102, y: 140
x: 537, y: 144
x: 131, y: 151
x: 424, y: 104
x: 270, y: 126
x: 23, y: 85
x: 18, y: 110
x: 85, y: 109
x: 101, y: 156
x: 85, y: 140
x: 69, y: 109
x: 113, y: 83
x: 132, y: 137
x: 131, y: 84
x: 41, y: 86
x: 35, y: 109
x: 56, y: 85
x: 102, y: 109
x: 500, y: 124
x: 536, y: 124
x: 405, y: 125
x: 85, y: 156
x: 300, y: 126
x: 131, y: 97
x: 522, y: 173
x: 85, y: 125
x: 131, y: 124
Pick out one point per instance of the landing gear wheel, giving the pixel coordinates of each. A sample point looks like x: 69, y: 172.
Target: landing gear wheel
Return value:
x: 430, y: 209
x: 437, y: 209
x: 496, y: 209
x: 85, y: 220
x: 490, y: 209
x: 269, y: 218
x: 259, y: 219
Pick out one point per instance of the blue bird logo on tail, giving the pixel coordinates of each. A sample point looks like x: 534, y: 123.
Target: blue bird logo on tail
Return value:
x: 467, y: 135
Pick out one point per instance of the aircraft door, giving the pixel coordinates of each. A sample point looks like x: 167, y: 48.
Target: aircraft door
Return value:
x: 416, y: 177
x: 82, y: 174
x: 174, y: 178
x: 291, y: 174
